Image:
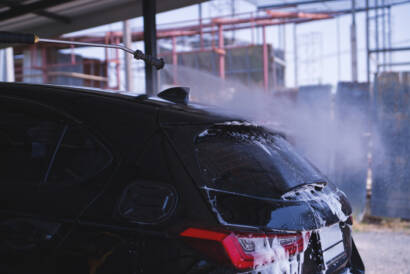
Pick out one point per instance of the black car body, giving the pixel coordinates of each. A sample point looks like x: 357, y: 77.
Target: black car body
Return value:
x: 98, y: 182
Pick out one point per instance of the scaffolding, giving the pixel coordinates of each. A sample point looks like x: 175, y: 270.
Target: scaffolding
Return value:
x: 212, y: 38
x: 210, y: 31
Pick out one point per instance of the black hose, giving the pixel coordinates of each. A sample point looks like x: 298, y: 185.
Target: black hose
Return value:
x: 15, y: 37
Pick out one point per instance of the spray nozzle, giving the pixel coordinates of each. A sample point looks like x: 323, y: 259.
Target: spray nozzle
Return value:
x: 149, y: 59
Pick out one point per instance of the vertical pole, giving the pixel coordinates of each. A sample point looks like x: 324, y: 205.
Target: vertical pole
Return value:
x: 284, y: 56
x: 233, y: 15
x: 107, y: 40
x: 7, y: 65
x: 44, y: 65
x: 353, y: 42
x: 72, y: 54
x: 212, y: 36
x: 265, y: 61
x: 384, y: 32
x: 376, y: 18
x: 150, y: 44
x: 295, y: 53
x: 339, y: 70
x: 221, y: 53
x: 174, y: 60
x: 389, y: 33
x: 201, y: 38
x: 367, y: 43
x: 10, y: 65
x: 279, y: 28
x: 284, y: 40
x: 117, y: 63
x: 252, y: 29
x: 127, y: 41
x: 33, y: 56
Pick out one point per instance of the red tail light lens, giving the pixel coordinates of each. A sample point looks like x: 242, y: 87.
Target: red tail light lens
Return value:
x: 246, y: 250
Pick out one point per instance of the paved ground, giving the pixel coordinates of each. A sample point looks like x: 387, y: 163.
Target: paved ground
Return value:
x: 384, y: 252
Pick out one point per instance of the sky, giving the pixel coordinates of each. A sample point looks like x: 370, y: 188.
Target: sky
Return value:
x: 326, y: 68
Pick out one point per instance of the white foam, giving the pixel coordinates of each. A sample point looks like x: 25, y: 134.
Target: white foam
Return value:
x: 275, y: 260
x: 331, y: 200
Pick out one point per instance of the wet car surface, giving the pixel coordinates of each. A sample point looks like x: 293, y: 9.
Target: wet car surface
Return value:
x: 107, y: 183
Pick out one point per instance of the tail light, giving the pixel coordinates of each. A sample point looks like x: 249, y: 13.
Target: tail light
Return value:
x: 246, y: 250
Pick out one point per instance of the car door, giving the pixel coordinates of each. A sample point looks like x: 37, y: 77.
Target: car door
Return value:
x: 51, y: 169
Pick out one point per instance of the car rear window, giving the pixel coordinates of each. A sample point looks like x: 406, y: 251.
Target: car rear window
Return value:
x: 251, y: 160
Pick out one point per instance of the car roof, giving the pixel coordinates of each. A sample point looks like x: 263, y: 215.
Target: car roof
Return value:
x: 217, y: 113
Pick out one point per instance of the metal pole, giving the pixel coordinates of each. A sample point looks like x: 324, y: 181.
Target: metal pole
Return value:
x: 338, y: 49
x: 201, y: 38
x: 107, y: 58
x: 265, y: 61
x: 44, y: 65
x: 284, y: 56
x: 367, y: 43
x: 221, y: 53
x: 174, y: 60
x: 252, y: 29
x: 150, y: 44
x: 117, y: 63
x: 9, y: 65
x: 384, y: 30
x: 129, y: 83
x: 395, y: 64
x: 295, y: 53
x: 390, y: 49
x: 377, y: 33
x: 233, y: 15
x: 390, y: 33
x: 353, y: 42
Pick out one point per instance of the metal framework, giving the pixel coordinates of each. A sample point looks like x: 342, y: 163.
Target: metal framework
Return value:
x: 215, y: 28
x: 382, y: 47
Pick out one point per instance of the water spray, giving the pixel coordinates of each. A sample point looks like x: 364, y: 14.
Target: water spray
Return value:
x: 29, y: 38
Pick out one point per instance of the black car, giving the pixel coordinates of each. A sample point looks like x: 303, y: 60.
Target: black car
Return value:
x: 99, y: 182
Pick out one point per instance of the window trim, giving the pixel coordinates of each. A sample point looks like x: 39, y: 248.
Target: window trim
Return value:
x: 53, y: 156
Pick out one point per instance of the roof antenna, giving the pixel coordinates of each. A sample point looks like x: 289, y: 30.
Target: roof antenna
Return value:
x: 29, y: 38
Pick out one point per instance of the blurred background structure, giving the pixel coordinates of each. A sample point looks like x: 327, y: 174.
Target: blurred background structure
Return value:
x: 345, y: 62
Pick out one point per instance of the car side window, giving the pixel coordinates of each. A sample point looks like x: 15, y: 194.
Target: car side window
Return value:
x: 27, y: 143
x: 39, y: 149
x: 80, y: 157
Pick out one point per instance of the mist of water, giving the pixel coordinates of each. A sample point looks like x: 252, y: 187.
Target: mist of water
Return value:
x: 316, y: 131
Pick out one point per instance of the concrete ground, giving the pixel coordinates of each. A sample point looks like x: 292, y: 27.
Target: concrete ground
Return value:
x: 384, y: 251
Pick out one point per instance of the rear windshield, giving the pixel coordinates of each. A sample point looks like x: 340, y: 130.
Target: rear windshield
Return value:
x: 252, y: 160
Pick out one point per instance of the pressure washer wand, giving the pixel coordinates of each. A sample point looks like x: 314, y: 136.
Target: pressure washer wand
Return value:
x: 28, y: 38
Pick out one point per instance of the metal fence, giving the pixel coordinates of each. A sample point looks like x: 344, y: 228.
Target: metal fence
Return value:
x: 341, y: 123
x: 391, y: 165
x: 352, y: 112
